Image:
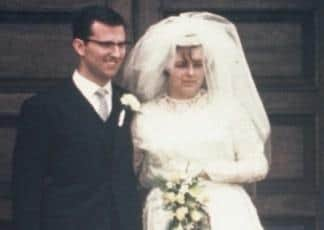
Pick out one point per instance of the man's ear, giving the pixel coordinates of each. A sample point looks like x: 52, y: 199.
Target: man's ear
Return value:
x: 79, y: 46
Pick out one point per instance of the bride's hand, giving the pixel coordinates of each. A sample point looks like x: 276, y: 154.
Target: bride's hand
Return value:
x: 204, y: 175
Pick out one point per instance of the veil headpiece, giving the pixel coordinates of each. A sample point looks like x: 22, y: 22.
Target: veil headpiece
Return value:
x: 227, y: 73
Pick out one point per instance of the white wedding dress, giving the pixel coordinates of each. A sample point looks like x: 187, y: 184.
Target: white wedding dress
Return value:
x: 190, y: 136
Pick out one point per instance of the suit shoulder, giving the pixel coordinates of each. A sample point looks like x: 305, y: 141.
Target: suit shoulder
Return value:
x: 33, y: 106
x: 48, y: 96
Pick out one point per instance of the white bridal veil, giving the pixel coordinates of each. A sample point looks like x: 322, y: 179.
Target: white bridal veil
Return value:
x: 227, y: 73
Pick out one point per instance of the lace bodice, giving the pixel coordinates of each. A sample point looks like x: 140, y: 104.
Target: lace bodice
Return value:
x: 191, y: 136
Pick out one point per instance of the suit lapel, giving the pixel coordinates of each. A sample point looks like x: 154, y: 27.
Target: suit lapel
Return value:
x: 80, y: 103
x: 83, y: 104
x: 77, y: 105
x: 116, y: 107
x: 120, y: 133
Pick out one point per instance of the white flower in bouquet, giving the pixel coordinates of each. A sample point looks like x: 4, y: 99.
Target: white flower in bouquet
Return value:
x: 170, y: 197
x: 198, y: 194
x: 180, y: 198
x: 190, y: 227
x: 196, y: 215
x: 181, y: 213
x: 169, y: 185
x: 179, y: 227
x: 176, y: 177
x: 184, y: 188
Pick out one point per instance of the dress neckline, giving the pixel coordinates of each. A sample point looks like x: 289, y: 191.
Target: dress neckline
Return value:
x: 188, y: 101
x: 184, y: 105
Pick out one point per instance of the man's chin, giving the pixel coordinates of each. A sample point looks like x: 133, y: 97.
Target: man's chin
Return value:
x: 110, y: 74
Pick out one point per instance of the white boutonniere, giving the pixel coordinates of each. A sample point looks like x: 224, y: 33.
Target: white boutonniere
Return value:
x: 129, y: 101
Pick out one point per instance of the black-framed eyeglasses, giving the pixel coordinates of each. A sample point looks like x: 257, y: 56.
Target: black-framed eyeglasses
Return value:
x: 109, y: 44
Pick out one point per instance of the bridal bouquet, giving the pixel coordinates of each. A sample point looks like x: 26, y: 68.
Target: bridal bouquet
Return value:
x: 183, y: 198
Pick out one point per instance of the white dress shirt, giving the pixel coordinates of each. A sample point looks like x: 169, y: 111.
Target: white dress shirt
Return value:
x: 88, y: 90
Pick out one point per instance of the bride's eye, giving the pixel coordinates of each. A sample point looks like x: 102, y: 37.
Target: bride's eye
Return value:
x: 198, y: 64
x: 180, y: 64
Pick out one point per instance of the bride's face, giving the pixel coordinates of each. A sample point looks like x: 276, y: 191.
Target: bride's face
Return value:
x: 186, y: 74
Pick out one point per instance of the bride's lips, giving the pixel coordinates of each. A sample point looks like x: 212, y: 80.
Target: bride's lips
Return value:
x: 189, y: 82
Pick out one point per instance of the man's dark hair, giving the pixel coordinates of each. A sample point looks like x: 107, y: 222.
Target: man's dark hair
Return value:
x: 84, y: 19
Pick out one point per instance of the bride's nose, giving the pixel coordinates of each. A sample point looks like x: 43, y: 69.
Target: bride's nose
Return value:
x: 190, y: 69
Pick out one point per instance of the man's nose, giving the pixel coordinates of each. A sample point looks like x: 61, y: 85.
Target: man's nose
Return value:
x: 116, y: 51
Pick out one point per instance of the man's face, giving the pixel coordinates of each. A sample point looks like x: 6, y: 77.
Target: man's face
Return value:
x: 103, y: 52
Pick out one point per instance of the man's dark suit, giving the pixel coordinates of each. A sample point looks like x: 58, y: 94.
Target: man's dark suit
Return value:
x: 71, y: 170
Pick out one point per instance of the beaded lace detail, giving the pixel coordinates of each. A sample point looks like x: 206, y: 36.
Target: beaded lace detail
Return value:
x: 183, y: 105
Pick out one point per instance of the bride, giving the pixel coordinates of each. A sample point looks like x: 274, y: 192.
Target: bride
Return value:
x: 201, y: 117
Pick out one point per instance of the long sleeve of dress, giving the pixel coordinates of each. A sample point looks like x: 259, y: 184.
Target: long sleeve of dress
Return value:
x: 250, y: 163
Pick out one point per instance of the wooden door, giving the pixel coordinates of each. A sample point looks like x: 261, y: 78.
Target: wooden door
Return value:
x: 283, y: 41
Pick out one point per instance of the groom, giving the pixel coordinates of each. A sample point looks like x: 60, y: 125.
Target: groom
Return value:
x: 72, y: 166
